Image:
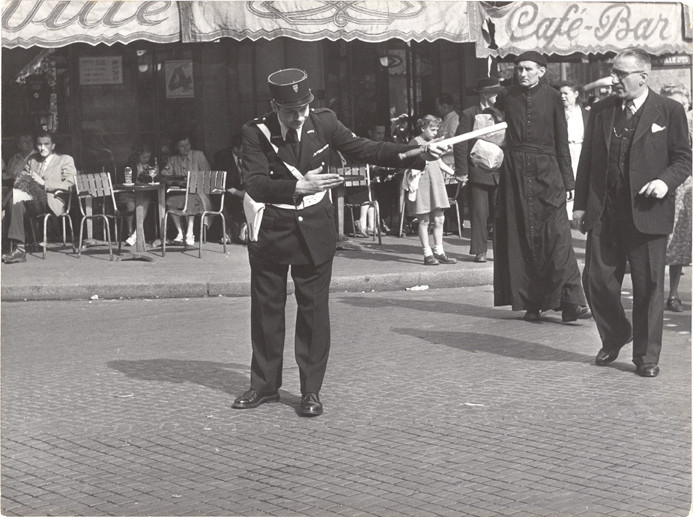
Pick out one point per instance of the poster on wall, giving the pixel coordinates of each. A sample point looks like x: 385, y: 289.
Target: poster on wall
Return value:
x: 179, y: 79
x: 101, y: 70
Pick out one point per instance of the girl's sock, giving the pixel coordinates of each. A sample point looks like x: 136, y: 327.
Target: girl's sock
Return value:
x: 427, y: 251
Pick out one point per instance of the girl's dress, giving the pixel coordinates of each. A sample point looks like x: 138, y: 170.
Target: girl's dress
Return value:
x: 431, y: 192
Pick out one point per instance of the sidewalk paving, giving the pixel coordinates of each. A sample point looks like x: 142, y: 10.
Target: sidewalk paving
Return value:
x: 395, y: 265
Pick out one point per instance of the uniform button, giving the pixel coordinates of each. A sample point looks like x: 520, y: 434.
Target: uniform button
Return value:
x: 300, y: 218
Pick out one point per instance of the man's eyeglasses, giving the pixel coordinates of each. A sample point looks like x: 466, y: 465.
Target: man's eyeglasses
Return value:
x: 621, y: 75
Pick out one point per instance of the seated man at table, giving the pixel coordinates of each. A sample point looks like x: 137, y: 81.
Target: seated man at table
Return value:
x: 41, y: 186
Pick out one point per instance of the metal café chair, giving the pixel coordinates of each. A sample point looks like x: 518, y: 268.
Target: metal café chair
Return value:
x: 452, y: 199
x: 95, y: 186
x: 199, y: 182
x: 62, y: 217
x: 360, y: 176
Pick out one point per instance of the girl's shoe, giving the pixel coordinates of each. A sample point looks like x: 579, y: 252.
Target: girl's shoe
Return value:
x: 178, y: 240
x: 444, y: 259
x: 190, y: 241
x: 430, y: 260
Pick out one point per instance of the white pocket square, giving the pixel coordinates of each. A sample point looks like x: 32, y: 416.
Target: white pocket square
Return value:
x: 656, y: 128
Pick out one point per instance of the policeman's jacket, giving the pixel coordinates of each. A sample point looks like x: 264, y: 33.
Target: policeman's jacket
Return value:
x: 293, y: 234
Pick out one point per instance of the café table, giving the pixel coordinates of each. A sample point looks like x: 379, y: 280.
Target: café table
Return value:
x: 140, y: 190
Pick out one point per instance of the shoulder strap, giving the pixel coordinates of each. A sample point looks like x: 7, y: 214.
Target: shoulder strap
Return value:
x: 265, y: 131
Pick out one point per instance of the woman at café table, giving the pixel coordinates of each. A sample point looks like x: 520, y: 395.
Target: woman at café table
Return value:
x: 183, y: 160
x: 139, y: 162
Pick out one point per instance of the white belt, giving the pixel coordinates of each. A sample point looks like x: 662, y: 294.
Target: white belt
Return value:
x: 308, y: 200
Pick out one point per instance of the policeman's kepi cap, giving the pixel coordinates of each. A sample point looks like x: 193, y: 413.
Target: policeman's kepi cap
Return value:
x: 289, y: 88
x: 532, y: 55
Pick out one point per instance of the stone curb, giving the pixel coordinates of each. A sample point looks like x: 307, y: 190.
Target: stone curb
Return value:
x: 352, y: 283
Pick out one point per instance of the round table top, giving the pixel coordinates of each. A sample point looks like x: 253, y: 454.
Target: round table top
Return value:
x: 137, y: 186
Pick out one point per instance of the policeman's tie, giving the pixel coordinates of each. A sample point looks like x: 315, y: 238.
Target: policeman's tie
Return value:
x: 292, y: 140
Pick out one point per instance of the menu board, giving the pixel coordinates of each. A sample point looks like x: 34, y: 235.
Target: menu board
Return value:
x: 101, y: 70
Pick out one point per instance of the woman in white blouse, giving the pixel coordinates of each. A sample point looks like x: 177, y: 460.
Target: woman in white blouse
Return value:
x: 576, y: 116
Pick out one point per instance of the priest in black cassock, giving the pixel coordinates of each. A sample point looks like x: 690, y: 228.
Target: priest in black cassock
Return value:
x: 535, y: 268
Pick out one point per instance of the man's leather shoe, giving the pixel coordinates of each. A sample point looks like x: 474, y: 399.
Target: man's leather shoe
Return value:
x: 532, y: 315
x: 575, y: 312
x: 480, y: 257
x: 252, y: 398
x: 674, y: 304
x: 648, y: 370
x: 310, y: 405
x: 18, y: 255
x: 606, y: 356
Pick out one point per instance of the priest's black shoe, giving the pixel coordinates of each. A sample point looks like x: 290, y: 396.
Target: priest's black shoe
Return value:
x: 606, y: 356
x: 252, y: 398
x: 575, y: 312
x: 648, y: 370
x: 310, y: 405
x: 532, y: 315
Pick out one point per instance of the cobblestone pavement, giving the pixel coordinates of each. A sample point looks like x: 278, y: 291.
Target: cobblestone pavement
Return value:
x: 436, y: 404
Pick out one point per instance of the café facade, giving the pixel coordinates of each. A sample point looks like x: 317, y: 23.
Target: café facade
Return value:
x: 110, y: 74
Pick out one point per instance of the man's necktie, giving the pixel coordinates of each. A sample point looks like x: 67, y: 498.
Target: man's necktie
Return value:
x: 628, y: 114
x: 291, y: 136
x: 292, y: 140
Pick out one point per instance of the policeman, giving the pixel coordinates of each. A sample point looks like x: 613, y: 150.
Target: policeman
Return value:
x: 284, y: 156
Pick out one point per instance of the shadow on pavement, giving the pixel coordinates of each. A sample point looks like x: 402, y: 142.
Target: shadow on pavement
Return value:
x: 227, y: 377
x: 498, y: 345
x: 231, y: 378
x: 439, y: 307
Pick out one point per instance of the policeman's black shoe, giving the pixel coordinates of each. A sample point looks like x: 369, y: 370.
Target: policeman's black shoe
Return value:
x: 310, y: 405
x: 648, y: 370
x: 574, y: 312
x: 606, y: 356
x: 18, y: 255
x: 252, y: 399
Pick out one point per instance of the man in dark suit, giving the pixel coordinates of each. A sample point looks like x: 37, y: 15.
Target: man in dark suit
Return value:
x: 634, y: 155
x: 483, y: 182
x: 283, y: 157
x: 229, y: 160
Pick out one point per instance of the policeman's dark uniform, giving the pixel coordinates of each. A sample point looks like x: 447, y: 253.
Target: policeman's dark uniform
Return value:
x: 295, y: 235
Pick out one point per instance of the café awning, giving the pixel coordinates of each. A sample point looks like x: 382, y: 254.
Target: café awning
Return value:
x: 56, y: 23
x: 311, y: 20
x: 589, y: 27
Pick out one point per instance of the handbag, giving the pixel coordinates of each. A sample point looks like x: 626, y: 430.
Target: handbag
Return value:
x: 486, y: 155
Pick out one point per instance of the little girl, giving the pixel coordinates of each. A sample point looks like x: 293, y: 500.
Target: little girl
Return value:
x: 427, y: 197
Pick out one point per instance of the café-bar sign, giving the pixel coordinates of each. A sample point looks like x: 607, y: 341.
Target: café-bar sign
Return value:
x: 55, y: 23
x: 589, y: 27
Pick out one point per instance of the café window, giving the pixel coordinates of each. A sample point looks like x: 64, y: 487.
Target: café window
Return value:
x: 36, y: 88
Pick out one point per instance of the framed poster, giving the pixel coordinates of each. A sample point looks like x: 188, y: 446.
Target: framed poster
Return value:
x: 179, y: 79
x: 101, y: 70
